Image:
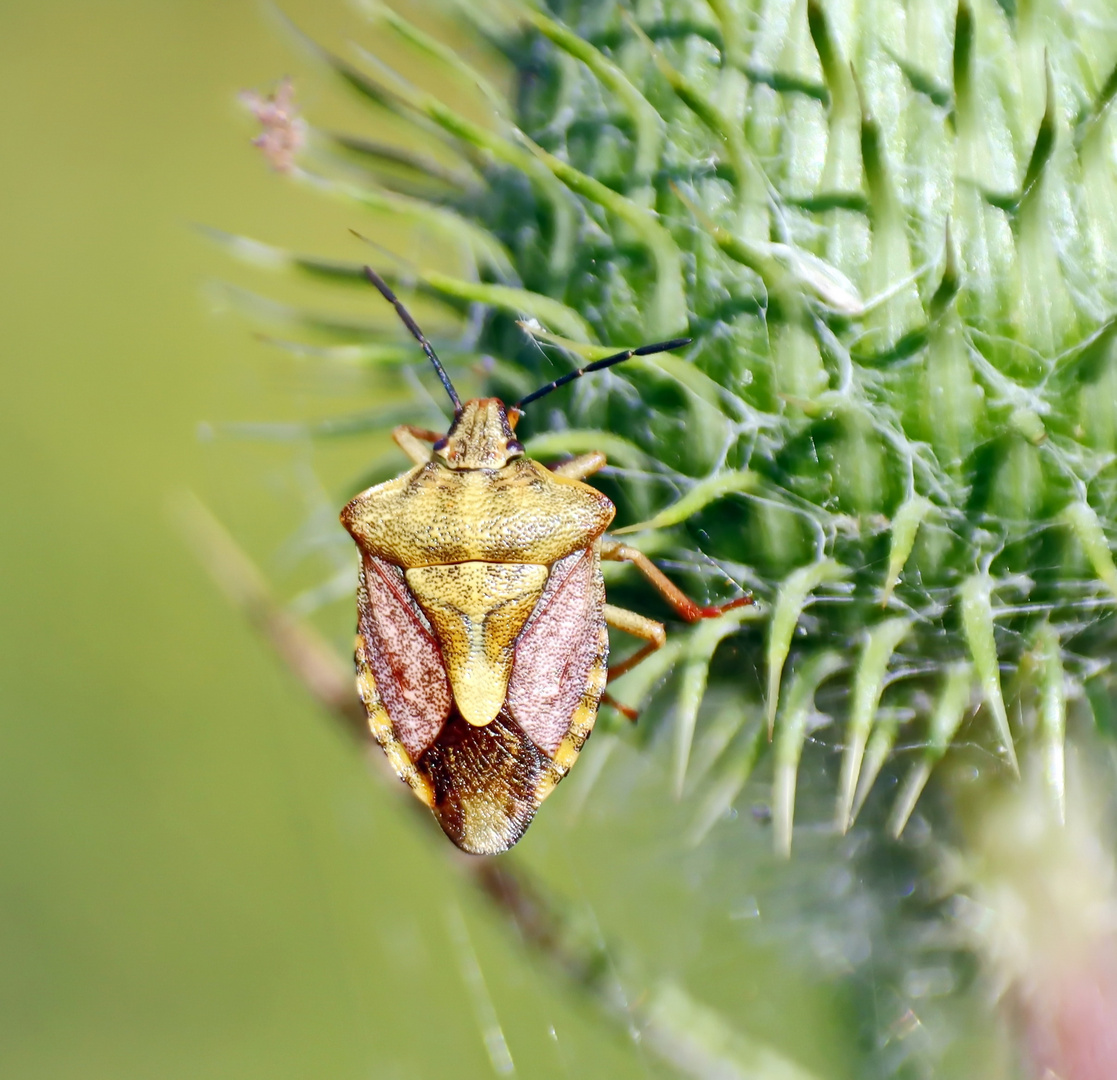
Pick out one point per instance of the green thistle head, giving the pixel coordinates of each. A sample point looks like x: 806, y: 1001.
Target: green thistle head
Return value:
x: 890, y: 231
x: 893, y: 250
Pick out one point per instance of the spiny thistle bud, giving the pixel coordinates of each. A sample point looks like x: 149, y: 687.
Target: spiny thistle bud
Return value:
x: 890, y: 230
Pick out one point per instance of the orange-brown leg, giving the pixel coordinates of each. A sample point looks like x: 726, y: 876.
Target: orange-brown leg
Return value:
x: 626, y: 711
x: 640, y: 626
x: 411, y: 439
x: 614, y: 551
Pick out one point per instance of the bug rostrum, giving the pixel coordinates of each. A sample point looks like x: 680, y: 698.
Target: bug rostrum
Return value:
x: 482, y: 642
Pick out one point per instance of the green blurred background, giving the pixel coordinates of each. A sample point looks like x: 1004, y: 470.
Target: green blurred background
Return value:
x: 198, y: 878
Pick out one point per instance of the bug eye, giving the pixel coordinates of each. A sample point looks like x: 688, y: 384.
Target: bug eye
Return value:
x: 515, y: 447
x: 440, y: 445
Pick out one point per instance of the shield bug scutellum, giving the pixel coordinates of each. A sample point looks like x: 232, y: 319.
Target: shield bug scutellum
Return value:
x: 482, y: 641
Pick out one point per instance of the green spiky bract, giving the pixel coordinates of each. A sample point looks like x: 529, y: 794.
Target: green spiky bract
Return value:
x: 891, y: 231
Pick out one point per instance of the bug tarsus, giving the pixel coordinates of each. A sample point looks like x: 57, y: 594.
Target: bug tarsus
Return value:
x: 720, y: 609
x: 416, y: 333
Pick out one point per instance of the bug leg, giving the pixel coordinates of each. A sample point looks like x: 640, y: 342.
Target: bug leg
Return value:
x: 638, y: 626
x: 411, y: 439
x: 614, y: 551
x: 580, y: 467
x: 626, y: 711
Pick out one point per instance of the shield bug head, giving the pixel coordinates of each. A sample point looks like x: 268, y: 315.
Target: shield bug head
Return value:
x: 481, y: 634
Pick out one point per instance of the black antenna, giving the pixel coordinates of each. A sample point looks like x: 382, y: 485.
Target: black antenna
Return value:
x: 597, y: 365
x: 418, y: 334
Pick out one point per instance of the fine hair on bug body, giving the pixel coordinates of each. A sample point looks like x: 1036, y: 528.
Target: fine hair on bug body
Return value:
x: 482, y: 628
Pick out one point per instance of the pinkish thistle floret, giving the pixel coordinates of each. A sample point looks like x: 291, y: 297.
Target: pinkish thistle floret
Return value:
x: 284, y: 131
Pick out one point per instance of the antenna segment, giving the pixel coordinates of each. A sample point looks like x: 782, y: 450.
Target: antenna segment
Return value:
x: 598, y: 365
x: 418, y: 334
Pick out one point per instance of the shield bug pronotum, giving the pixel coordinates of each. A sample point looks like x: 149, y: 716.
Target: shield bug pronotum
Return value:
x: 482, y: 640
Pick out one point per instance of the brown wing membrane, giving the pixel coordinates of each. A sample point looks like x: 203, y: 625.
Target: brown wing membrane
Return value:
x: 485, y: 782
x: 556, y: 651
x: 403, y: 655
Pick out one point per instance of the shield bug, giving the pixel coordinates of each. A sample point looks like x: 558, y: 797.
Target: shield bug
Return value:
x: 482, y: 641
